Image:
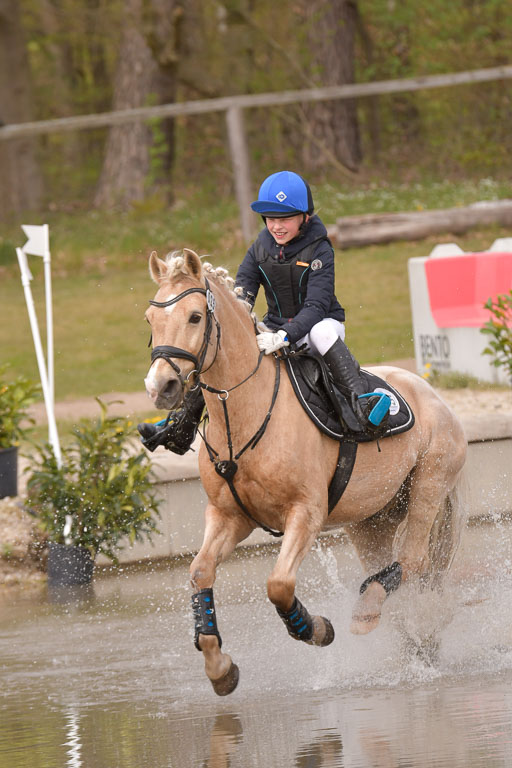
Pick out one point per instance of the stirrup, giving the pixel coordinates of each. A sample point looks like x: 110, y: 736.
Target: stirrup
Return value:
x: 377, y: 407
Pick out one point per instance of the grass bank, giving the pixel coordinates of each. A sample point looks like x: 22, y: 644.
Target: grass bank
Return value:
x: 101, y: 285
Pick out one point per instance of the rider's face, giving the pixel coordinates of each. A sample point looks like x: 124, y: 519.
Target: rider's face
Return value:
x: 284, y: 230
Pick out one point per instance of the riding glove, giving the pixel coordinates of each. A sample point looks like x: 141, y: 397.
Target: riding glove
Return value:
x: 270, y: 342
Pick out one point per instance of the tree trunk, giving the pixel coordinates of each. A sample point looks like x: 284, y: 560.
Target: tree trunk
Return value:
x: 371, y: 228
x: 371, y: 103
x: 21, y: 184
x: 163, y: 21
x: 331, y: 28
x: 127, y: 157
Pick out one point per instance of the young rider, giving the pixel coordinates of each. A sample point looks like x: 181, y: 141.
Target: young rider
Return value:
x: 293, y: 259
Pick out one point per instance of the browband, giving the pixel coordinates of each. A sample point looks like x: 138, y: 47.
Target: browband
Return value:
x: 177, y: 298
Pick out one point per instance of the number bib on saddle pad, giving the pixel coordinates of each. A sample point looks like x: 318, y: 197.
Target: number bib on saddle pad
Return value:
x: 309, y: 378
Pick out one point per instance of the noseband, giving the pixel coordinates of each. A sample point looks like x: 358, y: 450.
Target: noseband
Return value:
x: 167, y: 352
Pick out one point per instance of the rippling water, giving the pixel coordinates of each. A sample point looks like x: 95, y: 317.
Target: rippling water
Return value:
x: 111, y: 678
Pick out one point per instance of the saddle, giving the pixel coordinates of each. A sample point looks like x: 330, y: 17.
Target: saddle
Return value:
x: 330, y: 408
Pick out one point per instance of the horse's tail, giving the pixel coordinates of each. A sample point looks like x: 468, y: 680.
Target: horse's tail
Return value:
x: 447, y: 529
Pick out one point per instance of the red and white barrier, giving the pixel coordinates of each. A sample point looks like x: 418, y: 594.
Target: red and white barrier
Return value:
x: 448, y: 291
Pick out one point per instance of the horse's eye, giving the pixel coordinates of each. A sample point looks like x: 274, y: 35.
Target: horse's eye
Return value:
x: 195, y: 318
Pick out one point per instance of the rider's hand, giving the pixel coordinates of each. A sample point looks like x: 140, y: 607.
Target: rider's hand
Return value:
x: 269, y: 342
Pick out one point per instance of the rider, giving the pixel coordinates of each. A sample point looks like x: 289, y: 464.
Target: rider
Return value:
x: 293, y: 259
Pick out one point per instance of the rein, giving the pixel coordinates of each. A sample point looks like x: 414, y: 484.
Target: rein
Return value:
x: 226, y: 468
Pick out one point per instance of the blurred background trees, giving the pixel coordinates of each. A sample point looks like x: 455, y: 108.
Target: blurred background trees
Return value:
x: 68, y: 57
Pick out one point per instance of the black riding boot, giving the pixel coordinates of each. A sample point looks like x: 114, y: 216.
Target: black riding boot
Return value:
x: 177, y: 432
x: 346, y: 373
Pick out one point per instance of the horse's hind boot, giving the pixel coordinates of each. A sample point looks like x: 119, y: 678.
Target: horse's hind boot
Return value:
x: 177, y: 432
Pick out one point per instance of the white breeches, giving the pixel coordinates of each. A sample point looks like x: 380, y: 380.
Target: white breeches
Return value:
x: 323, y: 335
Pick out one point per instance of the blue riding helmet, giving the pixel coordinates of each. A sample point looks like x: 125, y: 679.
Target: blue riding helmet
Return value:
x: 283, y: 194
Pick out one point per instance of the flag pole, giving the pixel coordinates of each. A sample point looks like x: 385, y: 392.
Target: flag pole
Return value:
x: 26, y: 277
x: 49, y: 312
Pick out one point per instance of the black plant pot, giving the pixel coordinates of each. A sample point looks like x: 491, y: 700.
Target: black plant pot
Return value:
x: 8, y: 472
x: 68, y: 566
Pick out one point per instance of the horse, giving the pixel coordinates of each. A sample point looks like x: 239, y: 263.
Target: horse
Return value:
x: 263, y: 462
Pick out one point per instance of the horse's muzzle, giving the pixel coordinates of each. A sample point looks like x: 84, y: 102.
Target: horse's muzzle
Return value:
x: 165, y: 395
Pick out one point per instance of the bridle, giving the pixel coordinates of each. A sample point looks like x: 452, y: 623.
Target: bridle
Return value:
x: 225, y: 468
x: 167, y: 352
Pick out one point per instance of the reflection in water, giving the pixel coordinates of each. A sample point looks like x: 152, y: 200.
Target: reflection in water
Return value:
x: 377, y: 748
x: 73, y: 742
x: 110, y: 677
x: 225, y: 736
x: 323, y: 752
x: 78, y: 594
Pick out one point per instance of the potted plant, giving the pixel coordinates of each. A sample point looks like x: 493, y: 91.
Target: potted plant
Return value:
x: 15, y: 398
x: 102, y: 493
x: 499, y: 328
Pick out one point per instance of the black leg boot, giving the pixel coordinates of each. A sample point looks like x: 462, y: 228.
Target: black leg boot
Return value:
x: 177, y: 432
x: 346, y: 374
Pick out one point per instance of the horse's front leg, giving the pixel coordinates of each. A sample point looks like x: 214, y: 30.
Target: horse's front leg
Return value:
x: 222, y: 534
x: 297, y: 541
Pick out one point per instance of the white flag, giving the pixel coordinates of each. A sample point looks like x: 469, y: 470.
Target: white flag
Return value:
x: 38, y: 243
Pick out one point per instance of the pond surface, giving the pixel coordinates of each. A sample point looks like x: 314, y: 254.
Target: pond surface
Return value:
x: 110, y: 677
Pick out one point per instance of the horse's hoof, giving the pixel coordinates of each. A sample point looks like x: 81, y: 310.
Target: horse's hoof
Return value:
x: 362, y: 625
x: 228, y: 682
x: 367, y: 610
x: 323, y: 632
x: 329, y: 632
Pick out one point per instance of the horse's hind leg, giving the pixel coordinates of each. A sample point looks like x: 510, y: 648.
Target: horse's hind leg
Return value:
x: 373, y: 540
x: 297, y: 541
x: 222, y: 534
x: 432, y: 480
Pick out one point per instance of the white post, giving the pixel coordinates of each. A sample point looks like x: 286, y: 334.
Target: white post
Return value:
x: 26, y: 277
x: 38, y: 244
x: 49, y: 312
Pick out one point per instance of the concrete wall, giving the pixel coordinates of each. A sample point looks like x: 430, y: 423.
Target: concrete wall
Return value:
x: 488, y: 475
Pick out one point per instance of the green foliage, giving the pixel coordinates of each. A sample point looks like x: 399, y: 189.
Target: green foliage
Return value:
x: 447, y: 130
x: 103, y: 489
x: 499, y: 328
x: 7, y: 252
x: 15, y: 398
x: 236, y: 47
x: 458, y: 380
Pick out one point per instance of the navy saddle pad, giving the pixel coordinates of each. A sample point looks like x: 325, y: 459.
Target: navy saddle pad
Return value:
x: 309, y: 378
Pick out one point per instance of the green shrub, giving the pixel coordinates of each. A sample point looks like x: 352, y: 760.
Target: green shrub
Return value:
x: 15, y: 398
x: 101, y: 493
x: 499, y: 328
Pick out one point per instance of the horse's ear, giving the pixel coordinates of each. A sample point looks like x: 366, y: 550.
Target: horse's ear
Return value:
x: 193, y: 263
x: 157, y: 268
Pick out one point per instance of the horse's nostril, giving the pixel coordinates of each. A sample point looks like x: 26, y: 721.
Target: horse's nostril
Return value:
x: 170, y: 389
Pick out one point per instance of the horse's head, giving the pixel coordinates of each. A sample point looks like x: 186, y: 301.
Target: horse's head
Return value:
x: 180, y: 317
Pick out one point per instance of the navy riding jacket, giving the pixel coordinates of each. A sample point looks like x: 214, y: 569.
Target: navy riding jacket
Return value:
x: 298, y: 279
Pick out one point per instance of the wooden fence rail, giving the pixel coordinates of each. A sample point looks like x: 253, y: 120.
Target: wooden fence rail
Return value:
x: 233, y: 105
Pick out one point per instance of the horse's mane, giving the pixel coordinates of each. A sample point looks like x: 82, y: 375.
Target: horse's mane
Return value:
x: 176, y: 265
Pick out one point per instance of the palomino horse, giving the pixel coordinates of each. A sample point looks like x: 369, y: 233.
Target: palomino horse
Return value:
x: 263, y: 462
